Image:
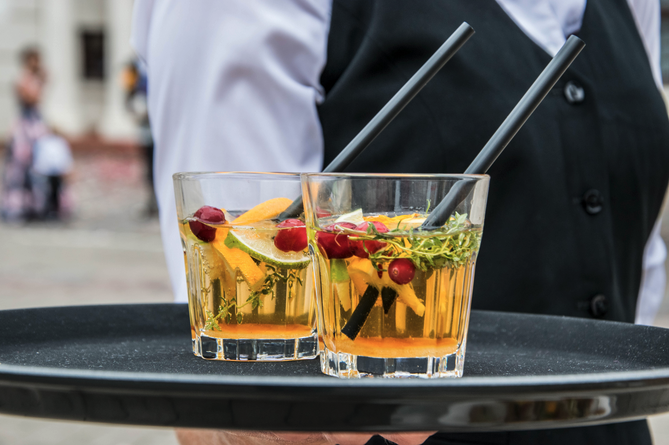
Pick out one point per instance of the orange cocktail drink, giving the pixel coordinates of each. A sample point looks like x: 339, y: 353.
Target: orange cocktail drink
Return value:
x: 249, y: 276
x: 393, y: 298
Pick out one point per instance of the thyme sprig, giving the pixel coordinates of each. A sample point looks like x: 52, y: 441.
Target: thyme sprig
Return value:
x: 274, y: 275
x: 451, y: 246
x: 224, y: 313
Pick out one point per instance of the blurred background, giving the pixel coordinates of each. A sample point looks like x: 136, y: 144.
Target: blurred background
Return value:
x: 79, y: 219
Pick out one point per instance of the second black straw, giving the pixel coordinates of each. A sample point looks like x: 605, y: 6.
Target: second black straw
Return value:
x: 391, y: 109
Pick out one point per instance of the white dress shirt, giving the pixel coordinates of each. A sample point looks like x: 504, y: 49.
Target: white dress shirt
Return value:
x: 233, y: 85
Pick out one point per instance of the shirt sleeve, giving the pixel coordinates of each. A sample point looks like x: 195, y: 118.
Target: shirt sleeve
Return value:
x: 646, y: 13
x: 141, y: 22
x: 653, y: 278
x: 232, y: 86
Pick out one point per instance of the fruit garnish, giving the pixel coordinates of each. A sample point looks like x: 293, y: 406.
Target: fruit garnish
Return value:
x: 265, y: 210
x: 362, y: 249
x: 355, y: 217
x: 341, y: 281
x: 334, y: 244
x: 259, y: 245
x: 401, y: 270
x: 292, y: 237
x: 394, y: 222
x: 364, y: 274
x: 237, y: 260
x: 449, y: 246
x: 255, y: 299
x: 411, y: 223
x: 206, y: 215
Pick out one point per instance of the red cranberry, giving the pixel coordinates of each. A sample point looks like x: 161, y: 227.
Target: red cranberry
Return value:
x: 401, y: 270
x: 372, y: 246
x: 291, y: 240
x: 334, y: 245
x: 206, y: 215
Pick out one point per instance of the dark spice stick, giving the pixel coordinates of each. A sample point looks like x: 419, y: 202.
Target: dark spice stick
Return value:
x: 388, y: 296
x: 361, y: 312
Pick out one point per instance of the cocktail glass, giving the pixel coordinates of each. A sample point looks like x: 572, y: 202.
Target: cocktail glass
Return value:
x: 250, y: 292
x: 393, y: 299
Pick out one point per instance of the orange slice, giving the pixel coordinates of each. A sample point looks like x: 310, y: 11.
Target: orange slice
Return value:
x: 266, y: 210
x: 362, y: 272
x: 237, y: 260
x: 394, y: 222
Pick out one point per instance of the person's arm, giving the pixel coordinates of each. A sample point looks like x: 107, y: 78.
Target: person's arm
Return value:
x: 216, y: 437
x: 653, y: 279
x: 646, y: 13
x: 232, y: 86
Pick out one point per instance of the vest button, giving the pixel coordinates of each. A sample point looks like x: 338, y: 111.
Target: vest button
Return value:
x: 599, y: 306
x: 593, y: 201
x: 574, y: 93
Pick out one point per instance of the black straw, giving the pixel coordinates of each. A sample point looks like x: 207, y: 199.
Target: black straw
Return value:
x: 505, y: 133
x: 388, y: 297
x: 391, y: 109
x: 359, y: 316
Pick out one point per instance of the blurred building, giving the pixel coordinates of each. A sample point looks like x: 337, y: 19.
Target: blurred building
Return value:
x: 84, y: 46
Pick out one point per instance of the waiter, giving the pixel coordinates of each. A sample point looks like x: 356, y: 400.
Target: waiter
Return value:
x: 573, y: 209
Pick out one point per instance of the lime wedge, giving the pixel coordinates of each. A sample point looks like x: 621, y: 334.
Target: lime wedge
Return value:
x: 354, y: 217
x: 261, y: 247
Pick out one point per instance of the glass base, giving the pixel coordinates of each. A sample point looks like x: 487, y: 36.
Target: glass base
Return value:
x: 349, y: 366
x: 247, y: 349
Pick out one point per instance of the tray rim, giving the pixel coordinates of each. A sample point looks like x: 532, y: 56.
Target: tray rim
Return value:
x: 575, y: 381
x: 50, y: 383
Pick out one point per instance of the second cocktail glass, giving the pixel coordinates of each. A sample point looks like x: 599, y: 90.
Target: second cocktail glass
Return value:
x: 393, y: 299
x: 249, y: 281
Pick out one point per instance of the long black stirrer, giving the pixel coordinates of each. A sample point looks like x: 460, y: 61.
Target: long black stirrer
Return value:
x: 505, y: 133
x: 391, y: 109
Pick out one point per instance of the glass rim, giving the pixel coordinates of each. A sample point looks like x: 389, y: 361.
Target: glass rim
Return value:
x: 400, y: 175
x: 236, y: 174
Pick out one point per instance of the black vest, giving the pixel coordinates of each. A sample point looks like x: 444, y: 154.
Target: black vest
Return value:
x: 574, y: 196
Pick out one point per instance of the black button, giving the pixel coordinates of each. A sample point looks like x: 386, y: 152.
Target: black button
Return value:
x: 574, y: 93
x: 593, y: 201
x: 599, y: 306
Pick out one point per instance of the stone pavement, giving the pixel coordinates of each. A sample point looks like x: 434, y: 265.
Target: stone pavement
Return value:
x: 108, y: 253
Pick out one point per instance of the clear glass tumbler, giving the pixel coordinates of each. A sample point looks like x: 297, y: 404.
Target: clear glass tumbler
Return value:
x: 393, y: 299
x: 250, y: 288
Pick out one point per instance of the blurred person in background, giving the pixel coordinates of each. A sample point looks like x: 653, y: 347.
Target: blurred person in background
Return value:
x: 19, y: 192
x: 52, y: 163
x: 572, y: 223
x: 135, y: 84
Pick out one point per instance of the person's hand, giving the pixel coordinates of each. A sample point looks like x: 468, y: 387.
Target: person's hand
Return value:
x: 223, y: 437
x: 362, y: 438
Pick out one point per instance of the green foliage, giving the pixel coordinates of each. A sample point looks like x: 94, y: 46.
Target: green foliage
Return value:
x: 451, y: 246
x: 274, y: 275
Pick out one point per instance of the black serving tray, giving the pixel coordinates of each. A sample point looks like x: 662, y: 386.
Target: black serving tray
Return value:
x: 133, y: 364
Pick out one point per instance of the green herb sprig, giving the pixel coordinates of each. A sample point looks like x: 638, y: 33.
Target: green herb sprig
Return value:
x: 224, y: 313
x: 451, y: 246
x: 274, y: 275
